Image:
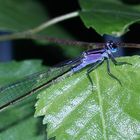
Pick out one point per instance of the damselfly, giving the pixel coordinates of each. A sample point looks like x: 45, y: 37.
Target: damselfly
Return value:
x: 15, y: 92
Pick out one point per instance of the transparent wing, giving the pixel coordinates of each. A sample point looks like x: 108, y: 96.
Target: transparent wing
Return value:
x: 26, y: 86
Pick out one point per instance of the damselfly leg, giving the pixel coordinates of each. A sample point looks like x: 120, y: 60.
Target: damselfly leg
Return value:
x: 94, y: 66
x: 118, y: 63
x: 91, y: 68
x: 110, y: 74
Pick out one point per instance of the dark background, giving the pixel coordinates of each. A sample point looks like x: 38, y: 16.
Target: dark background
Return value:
x: 28, y: 49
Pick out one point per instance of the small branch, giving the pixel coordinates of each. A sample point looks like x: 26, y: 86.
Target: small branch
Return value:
x: 54, y: 21
x: 26, y: 34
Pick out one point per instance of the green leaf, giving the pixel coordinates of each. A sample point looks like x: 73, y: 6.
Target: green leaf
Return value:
x: 72, y: 110
x: 18, y: 122
x: 110, y: 17
x: 20, y: 15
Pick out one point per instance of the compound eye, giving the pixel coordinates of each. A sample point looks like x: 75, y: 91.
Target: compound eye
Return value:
x: 114, y: 47
x: 109, y: 44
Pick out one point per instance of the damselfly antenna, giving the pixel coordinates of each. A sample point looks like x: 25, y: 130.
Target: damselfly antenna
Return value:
x: 80, y: 43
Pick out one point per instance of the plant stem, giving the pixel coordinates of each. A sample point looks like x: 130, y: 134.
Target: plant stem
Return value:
x: 54, y: 21
x: 26, y: 34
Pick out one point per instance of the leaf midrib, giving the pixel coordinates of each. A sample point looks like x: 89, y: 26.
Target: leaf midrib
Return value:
x: 120, y: 13
x: 101, y: 105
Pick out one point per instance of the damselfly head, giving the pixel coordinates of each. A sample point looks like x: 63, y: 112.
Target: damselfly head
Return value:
x: 112, y: 46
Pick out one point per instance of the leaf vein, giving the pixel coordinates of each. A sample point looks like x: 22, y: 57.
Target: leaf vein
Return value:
x: 101, y: 105
x: 120, y: 13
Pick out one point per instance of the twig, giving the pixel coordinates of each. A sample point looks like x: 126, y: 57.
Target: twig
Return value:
x: 28, y: 33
